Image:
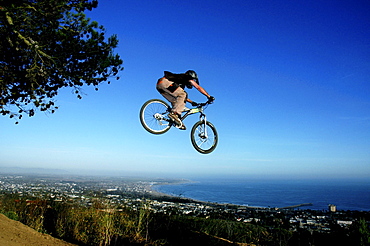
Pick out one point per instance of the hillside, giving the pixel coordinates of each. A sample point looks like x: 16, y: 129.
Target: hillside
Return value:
x: 14, y: 233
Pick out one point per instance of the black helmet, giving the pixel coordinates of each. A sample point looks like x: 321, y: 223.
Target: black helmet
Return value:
x: 193, y: 74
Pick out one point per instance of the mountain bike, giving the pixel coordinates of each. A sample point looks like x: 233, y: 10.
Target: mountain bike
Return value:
x: 154, y: 118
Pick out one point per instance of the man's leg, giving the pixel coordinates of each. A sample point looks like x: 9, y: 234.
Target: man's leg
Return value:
x: 179, y: 103
x: 176, y: 98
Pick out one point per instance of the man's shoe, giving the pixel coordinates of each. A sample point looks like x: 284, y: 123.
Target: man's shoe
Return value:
x: 175, y: 118
x: 183, y: 127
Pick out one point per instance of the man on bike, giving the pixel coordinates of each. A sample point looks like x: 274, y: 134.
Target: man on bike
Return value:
x: 171, y: 86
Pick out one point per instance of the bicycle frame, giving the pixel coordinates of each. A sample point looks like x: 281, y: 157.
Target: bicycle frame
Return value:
x: 194, y: 111
x: 202, y: 116
x: 198, y: 109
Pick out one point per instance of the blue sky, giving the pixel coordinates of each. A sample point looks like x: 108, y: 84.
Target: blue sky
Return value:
x: 290, y: 78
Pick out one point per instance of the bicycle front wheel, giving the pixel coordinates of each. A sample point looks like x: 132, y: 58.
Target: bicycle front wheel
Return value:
x: 153, y: 116
x: 204, y: 137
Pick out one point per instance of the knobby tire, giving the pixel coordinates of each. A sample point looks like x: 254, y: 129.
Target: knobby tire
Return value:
x: 149, y: 122
x: 201, y: 144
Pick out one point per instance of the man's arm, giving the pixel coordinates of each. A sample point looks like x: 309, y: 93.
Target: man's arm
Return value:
x: 199, y: 88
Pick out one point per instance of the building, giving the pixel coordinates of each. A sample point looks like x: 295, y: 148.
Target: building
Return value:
x: 332, y: 208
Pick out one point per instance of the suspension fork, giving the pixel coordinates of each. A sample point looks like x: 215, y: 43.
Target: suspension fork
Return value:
x: 203, y: 118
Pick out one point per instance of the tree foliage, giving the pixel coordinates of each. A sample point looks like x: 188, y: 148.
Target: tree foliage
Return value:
x: 47, y: 45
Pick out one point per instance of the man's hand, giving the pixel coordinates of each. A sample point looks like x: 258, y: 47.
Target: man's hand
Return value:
x: 194, y: 104
x: 211, y: 99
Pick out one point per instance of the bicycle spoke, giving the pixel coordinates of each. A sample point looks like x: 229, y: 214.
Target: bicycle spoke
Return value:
x: 153, y: 116
x: 204, y: 137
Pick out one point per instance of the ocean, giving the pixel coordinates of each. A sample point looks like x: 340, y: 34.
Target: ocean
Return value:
x: 344, y: 194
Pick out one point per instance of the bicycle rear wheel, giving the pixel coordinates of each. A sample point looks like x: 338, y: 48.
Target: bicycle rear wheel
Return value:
x: 153, y: 116
x: 204, y: 137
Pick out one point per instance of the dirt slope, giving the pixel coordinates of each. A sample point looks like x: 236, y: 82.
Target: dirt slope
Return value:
x: 14, y: 233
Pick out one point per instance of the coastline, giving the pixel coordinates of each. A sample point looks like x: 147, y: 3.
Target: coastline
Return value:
x: 153, y: 192
x: 157, y: 194
x: 150, y: 188
x: 301, y: 196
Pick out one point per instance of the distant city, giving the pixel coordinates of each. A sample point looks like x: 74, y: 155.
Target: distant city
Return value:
x: 133, y: 192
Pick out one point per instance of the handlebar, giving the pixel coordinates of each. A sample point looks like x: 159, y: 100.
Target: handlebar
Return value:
x: 204, y: 104
x: 210, y: 101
